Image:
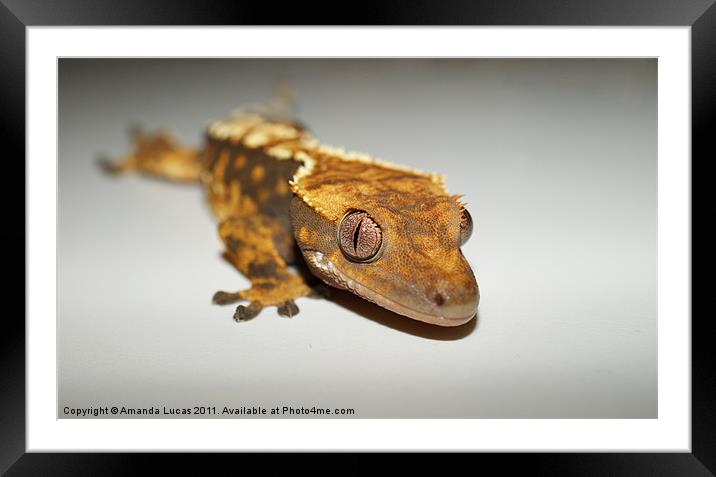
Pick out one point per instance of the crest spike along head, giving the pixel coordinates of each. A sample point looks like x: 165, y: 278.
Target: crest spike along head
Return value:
x: 457, y: 198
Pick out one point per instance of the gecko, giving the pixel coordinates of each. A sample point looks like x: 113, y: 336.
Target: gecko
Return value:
x: 389, y: 234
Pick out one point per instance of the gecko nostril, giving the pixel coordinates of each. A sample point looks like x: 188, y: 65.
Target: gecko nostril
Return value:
x: 439, y: 299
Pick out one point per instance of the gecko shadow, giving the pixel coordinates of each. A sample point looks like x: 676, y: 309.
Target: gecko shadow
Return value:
x: 398, y: 322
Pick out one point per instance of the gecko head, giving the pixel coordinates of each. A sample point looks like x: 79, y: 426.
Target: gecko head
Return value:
x: 393, y: 250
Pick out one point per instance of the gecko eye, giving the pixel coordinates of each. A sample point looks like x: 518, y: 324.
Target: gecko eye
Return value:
x: 465, y: 226
x: 359, y: 237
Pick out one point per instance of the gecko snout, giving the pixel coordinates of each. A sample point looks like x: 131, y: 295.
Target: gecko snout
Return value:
x: 453, y: 298
x: 457, y: 305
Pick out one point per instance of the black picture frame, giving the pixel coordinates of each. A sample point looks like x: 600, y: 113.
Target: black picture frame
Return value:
x: 16, y: 15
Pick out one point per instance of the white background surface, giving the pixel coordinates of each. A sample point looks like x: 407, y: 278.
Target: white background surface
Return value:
x: 671, y: 431
x: 557, y: 161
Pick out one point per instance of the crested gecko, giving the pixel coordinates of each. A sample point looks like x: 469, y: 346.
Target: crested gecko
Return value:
x: 387, y: 233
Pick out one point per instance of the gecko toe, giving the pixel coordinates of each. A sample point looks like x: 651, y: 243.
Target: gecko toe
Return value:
x: 244, y: 313
x: 288, y: 309
x: 225, y: 298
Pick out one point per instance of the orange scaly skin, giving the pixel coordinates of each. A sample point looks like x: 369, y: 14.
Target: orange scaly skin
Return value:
x: 275, y: 190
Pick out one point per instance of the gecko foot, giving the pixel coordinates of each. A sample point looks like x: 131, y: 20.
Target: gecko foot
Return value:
x: 244, y: 313
x: 265, y: 292
x: 288, y: 309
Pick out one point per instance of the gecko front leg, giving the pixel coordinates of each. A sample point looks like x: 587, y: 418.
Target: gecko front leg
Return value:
x: 252, y: 245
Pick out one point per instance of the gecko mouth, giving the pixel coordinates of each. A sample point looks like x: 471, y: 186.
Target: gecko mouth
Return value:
x: 328, y: 272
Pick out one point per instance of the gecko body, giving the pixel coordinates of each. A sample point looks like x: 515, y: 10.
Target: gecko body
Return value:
x: 387, y: 233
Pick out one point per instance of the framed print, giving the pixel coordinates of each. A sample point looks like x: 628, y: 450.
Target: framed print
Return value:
x: 371, y: 311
